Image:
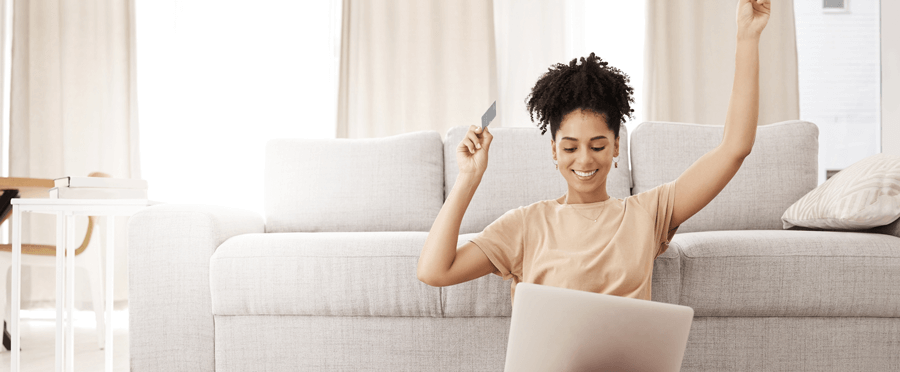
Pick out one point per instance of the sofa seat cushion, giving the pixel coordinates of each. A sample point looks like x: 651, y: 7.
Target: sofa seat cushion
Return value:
x: 790, y: 273
x: 487, y: 296
x: 323, y: 274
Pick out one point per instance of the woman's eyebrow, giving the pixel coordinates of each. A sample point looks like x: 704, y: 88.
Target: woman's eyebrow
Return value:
x: 576, y: 139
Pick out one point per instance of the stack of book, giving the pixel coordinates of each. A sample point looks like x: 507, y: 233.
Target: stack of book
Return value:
x: 98, y: 188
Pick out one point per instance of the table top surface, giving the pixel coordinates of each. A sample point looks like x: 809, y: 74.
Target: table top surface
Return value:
x: 28, y: 187
x: 19, y: 182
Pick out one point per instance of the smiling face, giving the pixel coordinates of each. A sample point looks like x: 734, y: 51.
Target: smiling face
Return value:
x: 586, y: 145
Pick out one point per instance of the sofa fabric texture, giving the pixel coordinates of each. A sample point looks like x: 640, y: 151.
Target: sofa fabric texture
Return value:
x: 715, y: 344
x: 354, y: 185
x: 327, y: 281
x: 790, y: 273
x: 781, y: 168
x: 170, y: 323
x: 803, y: 344
x: 322, y: 274
x: 258, y: 343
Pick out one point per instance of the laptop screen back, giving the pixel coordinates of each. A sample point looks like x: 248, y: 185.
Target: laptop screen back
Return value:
x: 559, y: 329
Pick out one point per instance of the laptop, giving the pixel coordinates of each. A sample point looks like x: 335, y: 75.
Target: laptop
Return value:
x: 560, y: 329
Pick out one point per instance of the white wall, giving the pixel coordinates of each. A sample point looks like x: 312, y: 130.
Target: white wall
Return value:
x: 890, y: 77
x: 840, y: 83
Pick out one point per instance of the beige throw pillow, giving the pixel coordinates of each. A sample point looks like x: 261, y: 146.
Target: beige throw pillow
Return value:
x: 865, y: 195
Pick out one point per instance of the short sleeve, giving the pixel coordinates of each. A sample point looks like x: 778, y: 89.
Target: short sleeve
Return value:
x: 659, y: 202
x: 503, y: 242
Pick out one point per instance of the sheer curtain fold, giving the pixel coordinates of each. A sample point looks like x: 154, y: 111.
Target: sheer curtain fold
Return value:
x: 414, y: 65
x: 531, y: 35
x: 72, y: 111
x: 689, y: 62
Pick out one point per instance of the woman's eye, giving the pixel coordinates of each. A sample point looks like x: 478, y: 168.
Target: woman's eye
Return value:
x: 594, y: 148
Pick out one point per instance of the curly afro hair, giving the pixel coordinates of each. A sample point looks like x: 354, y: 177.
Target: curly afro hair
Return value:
x: 593, y: 85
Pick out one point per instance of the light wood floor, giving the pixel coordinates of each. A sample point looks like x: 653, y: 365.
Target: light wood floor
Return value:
x: 39, y: 345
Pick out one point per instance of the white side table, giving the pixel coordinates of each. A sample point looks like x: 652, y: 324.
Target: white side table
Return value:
x: 65, y: 211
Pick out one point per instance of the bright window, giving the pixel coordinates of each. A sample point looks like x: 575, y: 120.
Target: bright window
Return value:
x: 218, y: 79
x: 839, y: 71
x: 625, y: 50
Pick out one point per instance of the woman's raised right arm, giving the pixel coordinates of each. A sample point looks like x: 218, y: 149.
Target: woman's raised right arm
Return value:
x: 440, y: 264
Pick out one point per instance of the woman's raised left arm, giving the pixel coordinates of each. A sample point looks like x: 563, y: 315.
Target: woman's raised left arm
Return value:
x: 704, y: 179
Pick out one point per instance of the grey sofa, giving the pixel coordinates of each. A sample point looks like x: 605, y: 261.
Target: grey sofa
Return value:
x: 326, y: 280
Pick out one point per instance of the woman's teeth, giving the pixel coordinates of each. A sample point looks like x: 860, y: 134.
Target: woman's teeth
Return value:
x: 585, y: 174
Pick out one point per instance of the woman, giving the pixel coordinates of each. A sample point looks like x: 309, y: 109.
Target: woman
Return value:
x: 585, y: 239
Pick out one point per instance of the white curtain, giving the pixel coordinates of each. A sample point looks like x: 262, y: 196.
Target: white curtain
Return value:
x: 378, y: 92
x: 689, y: 62
x: 414, y: 65
x: 73, y: 112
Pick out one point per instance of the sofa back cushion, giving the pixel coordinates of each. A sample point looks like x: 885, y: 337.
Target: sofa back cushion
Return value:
x: 520, y: 172
x: 381, y: 184
x: 781, y: 168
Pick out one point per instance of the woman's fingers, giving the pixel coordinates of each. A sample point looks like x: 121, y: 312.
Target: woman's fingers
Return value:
x: 472, y: 135
x: 469, y: 144
x: 477, y: 138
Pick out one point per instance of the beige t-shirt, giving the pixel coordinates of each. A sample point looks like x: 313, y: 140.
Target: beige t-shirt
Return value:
x: 559, y: 245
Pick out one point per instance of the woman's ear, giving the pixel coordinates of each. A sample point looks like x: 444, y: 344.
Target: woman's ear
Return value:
x: 553, y: 148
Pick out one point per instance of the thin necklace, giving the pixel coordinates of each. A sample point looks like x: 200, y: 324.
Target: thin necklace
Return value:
x: 576, y: 210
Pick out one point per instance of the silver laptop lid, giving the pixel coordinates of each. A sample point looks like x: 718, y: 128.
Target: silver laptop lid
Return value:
x: 559, y: 329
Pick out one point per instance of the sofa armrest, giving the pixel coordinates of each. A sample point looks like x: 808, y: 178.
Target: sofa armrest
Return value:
x: 170, y: 310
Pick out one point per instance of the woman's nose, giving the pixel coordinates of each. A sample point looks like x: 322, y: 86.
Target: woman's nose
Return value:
x: 586, y: 158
